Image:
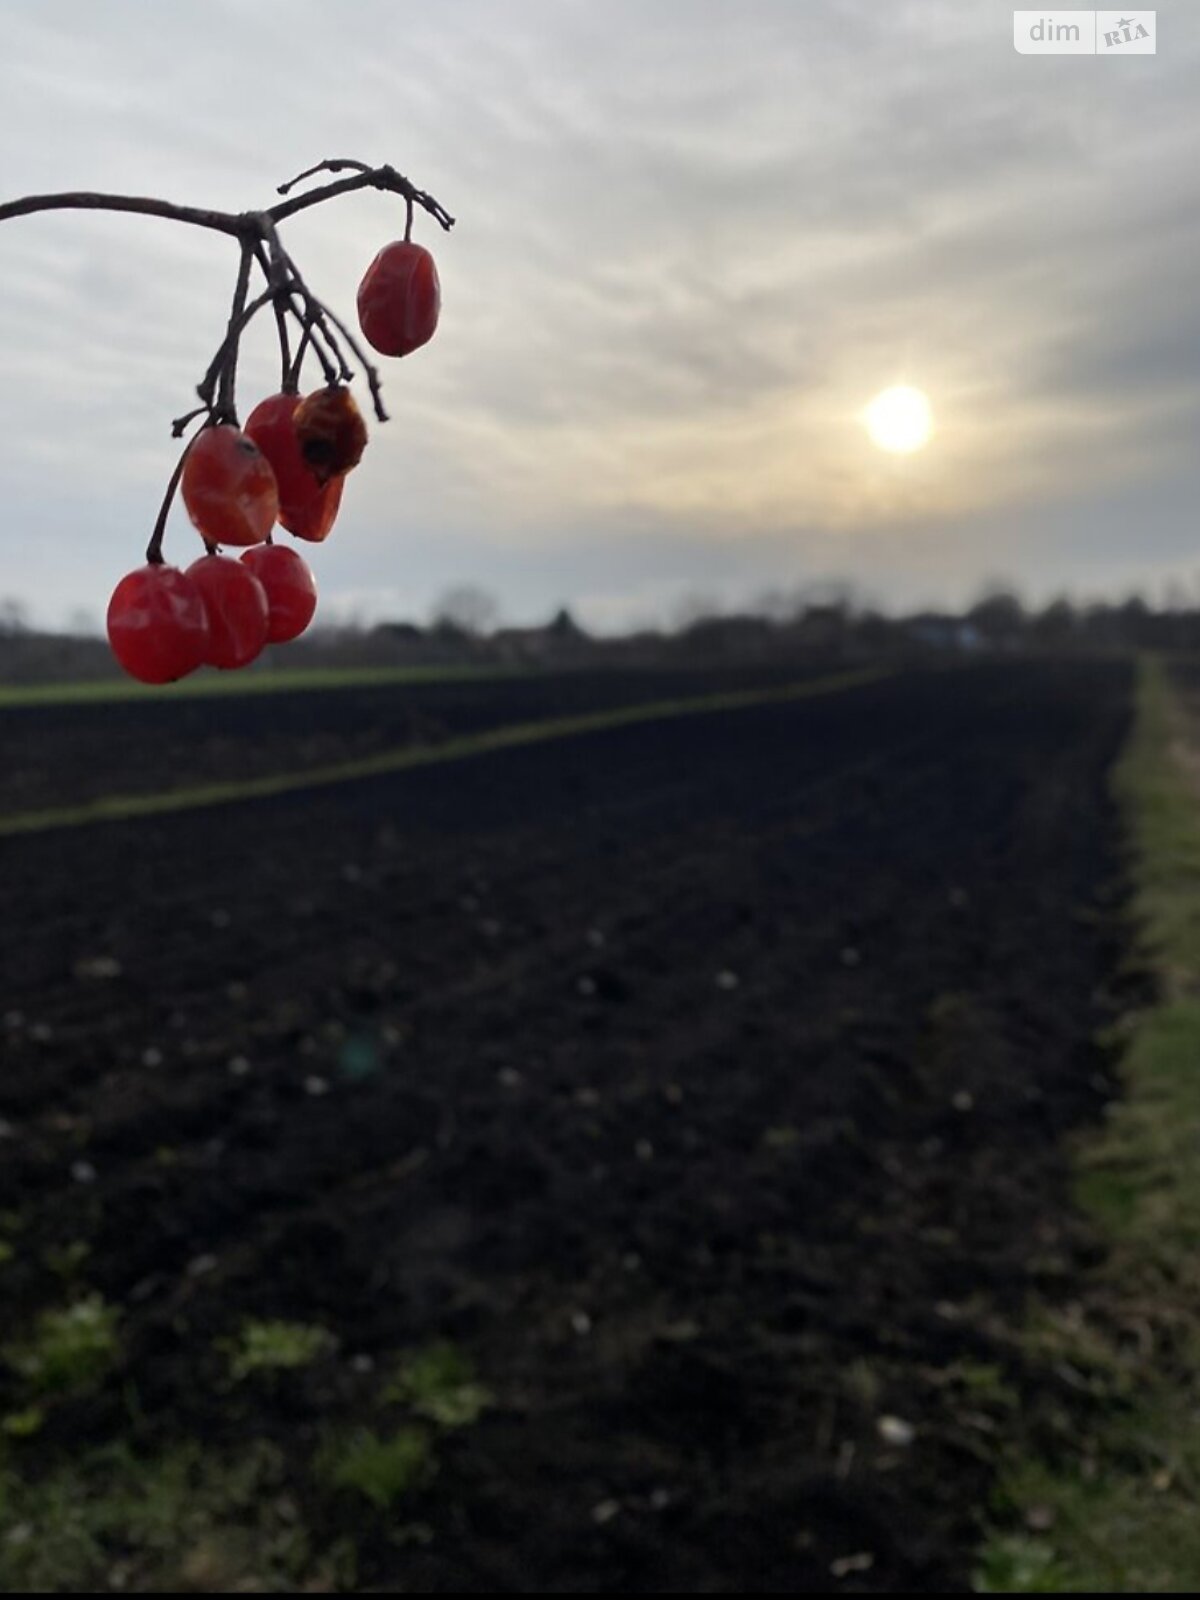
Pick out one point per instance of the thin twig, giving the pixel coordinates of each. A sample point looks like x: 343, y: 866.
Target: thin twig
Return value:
x: 330, y: 368
x: 320, y: 316
x: 226, y: 409
x: 206, y: 388
x: 359, y: 355
x: 339, y: 164
x: 179, y: 426
x: 285, y: 300
x: 292, y: 384
x: 372, y: 178
x: 280, y: 307
x: 154, y: 548
x: 311, y: 318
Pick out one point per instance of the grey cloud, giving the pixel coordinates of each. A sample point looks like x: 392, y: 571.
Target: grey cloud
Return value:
x: 673, y: 214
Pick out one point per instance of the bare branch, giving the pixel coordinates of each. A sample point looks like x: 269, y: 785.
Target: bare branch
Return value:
x: 221, y: 221
x: 239, y: 225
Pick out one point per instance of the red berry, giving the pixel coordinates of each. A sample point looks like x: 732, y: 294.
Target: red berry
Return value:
x: 399, y: 299
x: 331, y: 432
x: 157, y: 624
x: 228, y: 487
x: 236, y: 604
x: 306, y: 508
x: 291, y: 589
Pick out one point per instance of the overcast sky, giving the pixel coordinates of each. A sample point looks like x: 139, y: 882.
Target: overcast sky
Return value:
x: 695, y: 238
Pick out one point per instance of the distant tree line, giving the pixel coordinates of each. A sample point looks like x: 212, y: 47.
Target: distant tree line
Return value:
x: 828, y: 620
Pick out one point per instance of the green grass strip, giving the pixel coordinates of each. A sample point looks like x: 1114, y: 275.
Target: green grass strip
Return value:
x: 1115, y: 1508
x: 114, y: 808
x: 213, y: 684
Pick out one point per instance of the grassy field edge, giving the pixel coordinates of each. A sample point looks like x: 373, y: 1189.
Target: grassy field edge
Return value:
x: 1109, y: 1503
x: 212, y: 683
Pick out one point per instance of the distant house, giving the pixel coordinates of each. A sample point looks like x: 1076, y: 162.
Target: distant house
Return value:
x: 406, y: 633
x: 943, y: 632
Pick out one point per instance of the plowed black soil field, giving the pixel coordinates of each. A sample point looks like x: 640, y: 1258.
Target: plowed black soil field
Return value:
x: 703, y: 1082
x: 54, y: 755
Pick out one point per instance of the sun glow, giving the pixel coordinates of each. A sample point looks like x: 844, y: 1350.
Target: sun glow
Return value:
x: 899, y: 420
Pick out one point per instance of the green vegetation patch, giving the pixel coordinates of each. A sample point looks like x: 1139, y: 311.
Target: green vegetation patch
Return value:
x: 269, y: 1347
x: 69, y: 1348
x: 212, y: 682
x: 383, y: 1469
x: 1115, y: 1509
x: 187, y: 1520
x: 439, y: 1383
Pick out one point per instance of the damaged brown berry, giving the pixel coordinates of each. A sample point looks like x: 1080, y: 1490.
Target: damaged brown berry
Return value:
x: 331, y: 432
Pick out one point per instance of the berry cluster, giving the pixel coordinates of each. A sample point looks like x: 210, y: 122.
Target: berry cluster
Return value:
x: 286, y: 466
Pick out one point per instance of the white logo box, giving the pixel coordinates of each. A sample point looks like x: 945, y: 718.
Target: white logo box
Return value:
x: 1085, y: 33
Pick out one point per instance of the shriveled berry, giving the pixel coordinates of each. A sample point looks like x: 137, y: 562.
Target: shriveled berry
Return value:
x: 307, y: 508
x: 399, y: 299
x: 290, y: 587
x: 157, y: 624
x: 331, y: 432
x: 228, y: 487
x: 237, y: 609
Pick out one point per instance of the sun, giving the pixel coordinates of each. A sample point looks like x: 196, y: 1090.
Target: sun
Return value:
x: 899, y: 419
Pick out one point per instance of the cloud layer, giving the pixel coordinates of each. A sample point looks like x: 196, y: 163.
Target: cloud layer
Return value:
x: 694, y: 240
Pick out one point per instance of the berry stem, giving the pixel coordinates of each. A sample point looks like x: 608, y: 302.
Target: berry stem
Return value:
x: 285, y: 348
x: 279, y: 306
x: 154, y: 553
x: 285, y: 275
x: 226, y: 407
x: 292, y: 381
x: 180, y: 423
x: 318, y: 316
x: 207, y: 387
x: 372, y: 374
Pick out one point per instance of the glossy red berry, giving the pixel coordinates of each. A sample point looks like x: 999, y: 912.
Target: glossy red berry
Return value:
x: 236, y: 605
x: 307, y: 508
x: 290, y: 587
x: 157, y: 624
x: 331, y: 432
x: 399, y: 299
x: 228, y: 487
